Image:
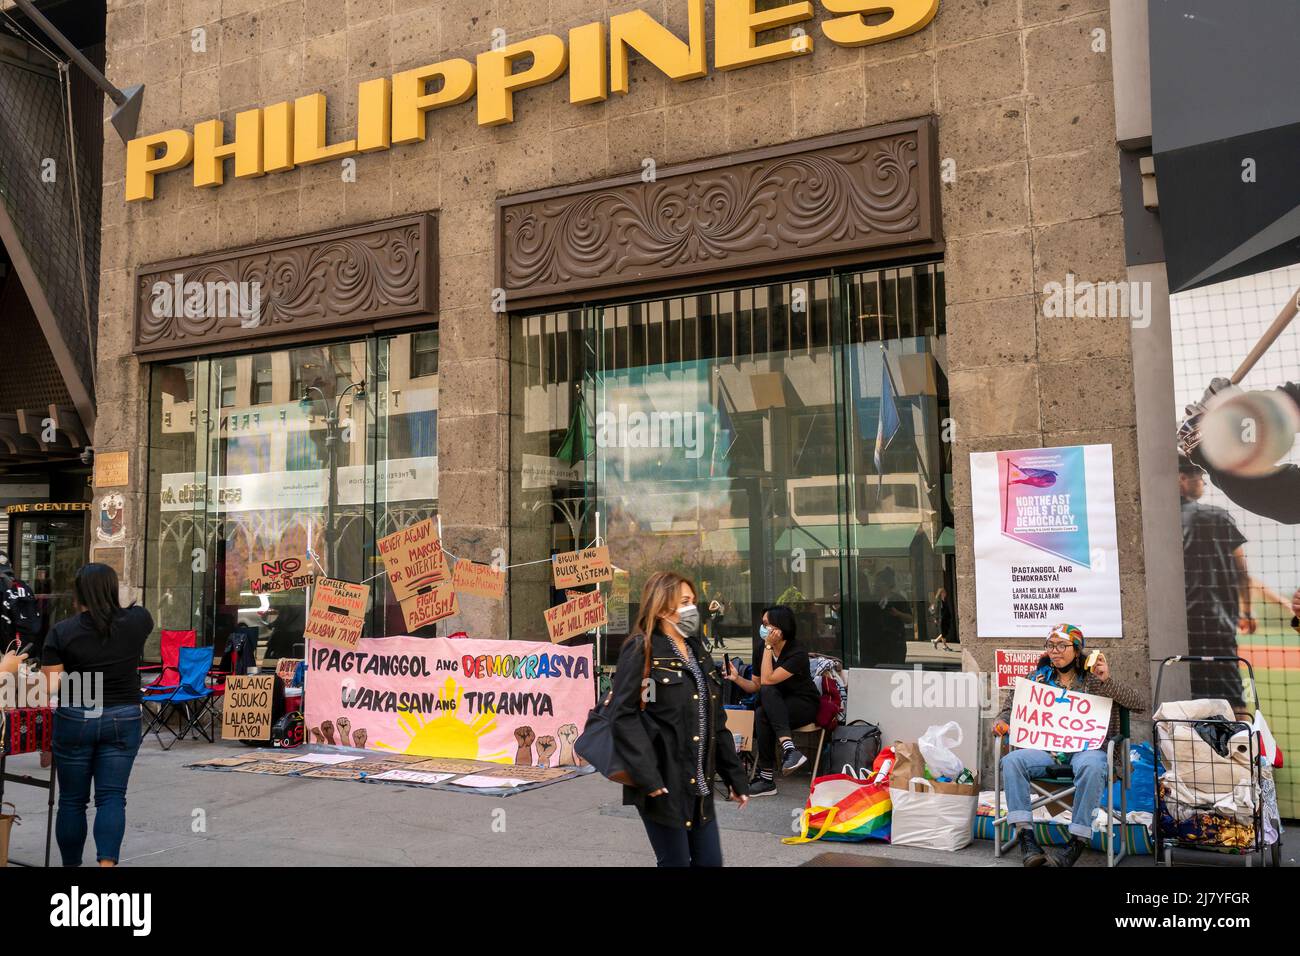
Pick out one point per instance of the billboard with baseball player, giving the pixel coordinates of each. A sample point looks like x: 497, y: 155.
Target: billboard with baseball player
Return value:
x: 1237, y: 379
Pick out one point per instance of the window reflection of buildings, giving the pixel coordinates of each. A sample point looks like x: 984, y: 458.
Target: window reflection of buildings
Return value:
x: 788, y: 455
x: 261, y: 428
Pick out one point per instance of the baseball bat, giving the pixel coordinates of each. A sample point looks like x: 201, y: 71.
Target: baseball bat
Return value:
x: 1268, y: 338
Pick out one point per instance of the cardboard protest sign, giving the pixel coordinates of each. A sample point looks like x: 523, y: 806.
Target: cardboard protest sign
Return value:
x: 343, y: 772
x: 267, y: 766
x: 573, y: 568
x: 429, y: 606
x: 577, y: 616
x: 481, y: 580
x: 414, y: 559
x: 452, y: 765
x: 517, y: 772
x: 338, y: 613
x: 246, y: 712
x: 1047, y: 718
x: 282, y: 574
x: 412, y: 776
x: 741, y: 725
x: 286, y: 667
x: 466, y: 700
x: 227, y: 761
x: 1013, y: 663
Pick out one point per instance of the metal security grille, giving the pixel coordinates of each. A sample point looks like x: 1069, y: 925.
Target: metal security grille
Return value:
x: 33, y: 130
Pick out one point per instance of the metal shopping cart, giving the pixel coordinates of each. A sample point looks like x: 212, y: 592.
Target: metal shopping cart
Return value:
x: 1210, y: 785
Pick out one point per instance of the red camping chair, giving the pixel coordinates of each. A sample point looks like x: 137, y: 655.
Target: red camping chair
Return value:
x: 167, y: 673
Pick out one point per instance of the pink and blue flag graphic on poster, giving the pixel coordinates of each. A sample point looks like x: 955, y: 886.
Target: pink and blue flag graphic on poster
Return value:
x: 1045, y: 501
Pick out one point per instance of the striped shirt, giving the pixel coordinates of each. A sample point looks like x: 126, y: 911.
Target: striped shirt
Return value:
x: 702, y: 700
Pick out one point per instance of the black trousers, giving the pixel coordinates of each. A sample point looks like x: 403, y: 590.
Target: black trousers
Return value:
x: 701, y: 845
x: 1214, y: 680
x: 774, y: 718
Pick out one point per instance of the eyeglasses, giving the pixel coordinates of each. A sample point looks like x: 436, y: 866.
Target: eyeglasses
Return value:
x: 1057, y: 646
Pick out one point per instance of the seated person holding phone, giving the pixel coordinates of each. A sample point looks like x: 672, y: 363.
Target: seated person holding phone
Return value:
x: 1064, y: 665
x: 787, y: 696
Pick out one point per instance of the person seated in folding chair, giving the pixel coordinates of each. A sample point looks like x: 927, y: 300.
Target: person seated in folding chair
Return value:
x: 787, y: 697
x: 97, y: 733
x: 1063, y: 666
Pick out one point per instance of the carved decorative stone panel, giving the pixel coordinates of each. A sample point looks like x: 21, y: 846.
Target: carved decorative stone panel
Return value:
x: 787, y: 206
x: 348, y: 279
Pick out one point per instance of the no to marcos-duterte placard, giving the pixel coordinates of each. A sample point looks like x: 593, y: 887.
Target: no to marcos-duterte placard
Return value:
x: 1048, y: 718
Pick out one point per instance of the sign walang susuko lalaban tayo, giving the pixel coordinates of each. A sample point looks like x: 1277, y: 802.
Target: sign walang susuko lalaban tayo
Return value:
x: 392, y: 111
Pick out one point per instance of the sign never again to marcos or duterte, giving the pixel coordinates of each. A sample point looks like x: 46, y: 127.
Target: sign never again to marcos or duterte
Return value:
x: 414, y: 559
x: 519, y: 702
x: 597, y: 57
x: 1046, y: 545
x: 1048, y: 718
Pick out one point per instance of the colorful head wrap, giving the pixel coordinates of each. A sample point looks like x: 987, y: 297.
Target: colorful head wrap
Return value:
x: 1068, y: 632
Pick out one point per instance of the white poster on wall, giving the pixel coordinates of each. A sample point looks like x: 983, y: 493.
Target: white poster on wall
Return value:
x: 400, y: 479
x: 1046, y: 546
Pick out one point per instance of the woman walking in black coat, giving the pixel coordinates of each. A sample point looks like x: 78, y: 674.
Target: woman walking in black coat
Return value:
x: 669, y: 727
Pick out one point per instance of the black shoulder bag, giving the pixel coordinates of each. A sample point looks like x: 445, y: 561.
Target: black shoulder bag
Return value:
x: 596, y: 743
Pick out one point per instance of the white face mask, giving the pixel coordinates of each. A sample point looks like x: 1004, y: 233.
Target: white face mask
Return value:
x: 688, y: 620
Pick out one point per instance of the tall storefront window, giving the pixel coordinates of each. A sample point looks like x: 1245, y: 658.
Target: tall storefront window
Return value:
x: 308, y: 451
x: 733, y: 436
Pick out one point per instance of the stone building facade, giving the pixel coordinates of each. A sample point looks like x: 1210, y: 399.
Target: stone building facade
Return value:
x: 1025, y: 187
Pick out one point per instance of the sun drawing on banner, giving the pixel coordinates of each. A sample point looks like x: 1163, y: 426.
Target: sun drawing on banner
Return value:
x: 446, y: 735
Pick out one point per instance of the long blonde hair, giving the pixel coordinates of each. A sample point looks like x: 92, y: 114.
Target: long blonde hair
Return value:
x: 659, y: 597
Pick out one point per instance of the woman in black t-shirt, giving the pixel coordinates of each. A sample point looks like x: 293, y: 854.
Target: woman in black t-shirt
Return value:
x: 787, y: 697
x: 97, y: 734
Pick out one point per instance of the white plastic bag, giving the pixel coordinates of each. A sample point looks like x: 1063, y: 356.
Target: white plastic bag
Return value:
x: 937, y: 745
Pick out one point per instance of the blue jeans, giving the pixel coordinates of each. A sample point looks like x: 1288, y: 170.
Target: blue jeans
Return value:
x: 677, y: 846
x: 1020, y: 766
x: 100, y: 749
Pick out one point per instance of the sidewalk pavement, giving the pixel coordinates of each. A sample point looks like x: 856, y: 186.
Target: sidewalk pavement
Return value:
x: 182, y: 817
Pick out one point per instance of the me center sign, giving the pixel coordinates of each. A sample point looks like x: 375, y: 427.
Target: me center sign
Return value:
x: 391, y: 111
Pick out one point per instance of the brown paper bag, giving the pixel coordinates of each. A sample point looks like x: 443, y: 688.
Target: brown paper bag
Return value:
x: 908, y: 763
x: 7, y: 821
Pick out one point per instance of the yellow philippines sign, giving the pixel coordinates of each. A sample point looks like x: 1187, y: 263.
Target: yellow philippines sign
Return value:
x: 392, y: 110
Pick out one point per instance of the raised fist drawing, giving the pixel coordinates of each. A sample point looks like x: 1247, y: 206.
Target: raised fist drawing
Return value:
x: 545, y: 747
x: 316, y: 736
x: 525, y: 736
x: 327, y: 728
x: 567, y: 733
x: 359, y: 738
x: 345, y: 726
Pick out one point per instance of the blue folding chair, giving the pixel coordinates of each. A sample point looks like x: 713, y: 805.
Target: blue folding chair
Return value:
x: 192, y: 699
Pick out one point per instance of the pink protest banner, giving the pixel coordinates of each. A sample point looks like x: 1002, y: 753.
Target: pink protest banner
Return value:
x: 1015, y: 662
x: 1048, y: 718
x: 512, y: 702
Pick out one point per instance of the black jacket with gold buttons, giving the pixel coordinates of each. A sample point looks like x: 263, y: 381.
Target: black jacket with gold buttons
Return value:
x: 658, y: 744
